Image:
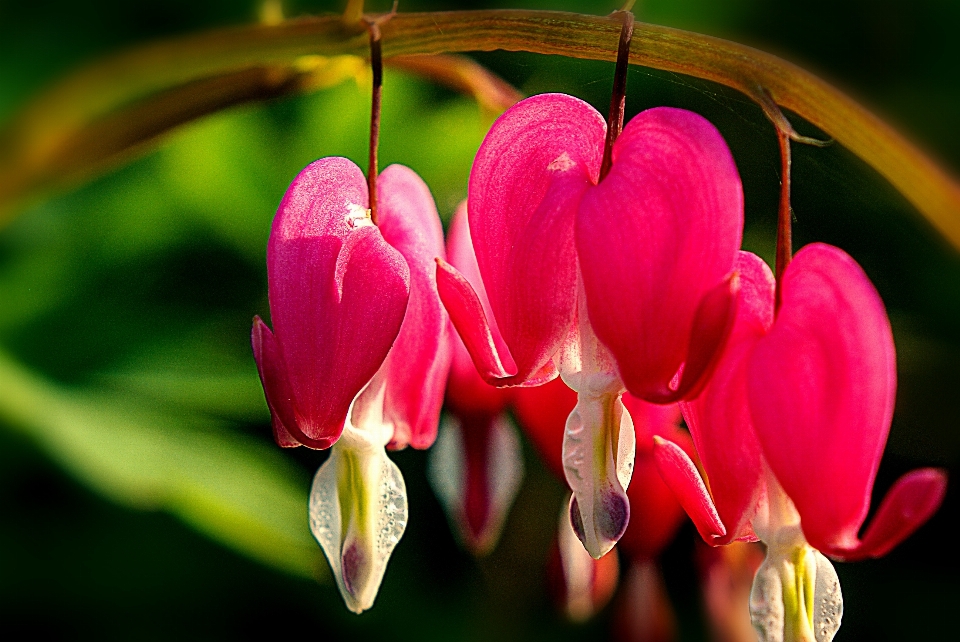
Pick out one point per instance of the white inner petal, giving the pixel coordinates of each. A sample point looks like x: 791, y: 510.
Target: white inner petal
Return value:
x: 827, y: 601
x: 598, y: 441
x: 796, y: 593
x: 358, y: 512
x: 766, y: 603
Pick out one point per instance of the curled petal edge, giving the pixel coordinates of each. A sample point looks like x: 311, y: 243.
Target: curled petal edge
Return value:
x: 466, y: 312
x: 912, y: 500
x: 680, y: 474
x: 277, y: 391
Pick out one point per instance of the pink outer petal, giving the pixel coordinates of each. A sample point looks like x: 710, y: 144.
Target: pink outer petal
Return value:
x: 416, y: 368
x: 467, y: 392
x: 821, y: 390
x: 655, y: 513
x: 527, y: 180
x: 719, y: 419
x: 338, y: 293
x: 273, y: 376
x: 472, y: 325
x: 912, y: 501
x: 651, y: 419
x: 654, y: 238
x: 712, y: 325
x: 681, y: 475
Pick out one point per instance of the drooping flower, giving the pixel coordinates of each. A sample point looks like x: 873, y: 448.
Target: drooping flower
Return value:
x: 476, y: 465
x: 622, y: 285
x: 358, y: 355
x: 338, y: 295
x: 790, y: 432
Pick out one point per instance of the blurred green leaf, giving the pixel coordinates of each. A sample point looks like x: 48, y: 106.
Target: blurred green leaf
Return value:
x: 235, y: 490
x: 231, y: 394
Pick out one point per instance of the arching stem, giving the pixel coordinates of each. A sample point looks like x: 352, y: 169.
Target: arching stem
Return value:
x: 619, y: 94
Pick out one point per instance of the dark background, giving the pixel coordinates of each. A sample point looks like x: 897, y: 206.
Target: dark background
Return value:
x: 158, y: 267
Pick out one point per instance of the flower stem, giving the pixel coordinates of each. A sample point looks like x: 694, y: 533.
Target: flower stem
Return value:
x: 785, y: 217
x: 619, y: 95
x: 376, y: 65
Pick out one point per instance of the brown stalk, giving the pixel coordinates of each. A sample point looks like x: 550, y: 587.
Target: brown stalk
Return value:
x: 618, y: 96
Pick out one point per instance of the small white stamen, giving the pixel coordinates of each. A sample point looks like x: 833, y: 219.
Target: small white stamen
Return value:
x: 357, y: 215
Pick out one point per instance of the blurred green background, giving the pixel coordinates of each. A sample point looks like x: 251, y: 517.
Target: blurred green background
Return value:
x: 140, y: 492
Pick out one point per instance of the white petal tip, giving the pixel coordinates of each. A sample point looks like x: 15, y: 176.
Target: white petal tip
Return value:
x: 358, y: 513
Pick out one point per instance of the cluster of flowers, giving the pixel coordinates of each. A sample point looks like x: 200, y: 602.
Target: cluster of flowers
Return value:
x: 632, y: 289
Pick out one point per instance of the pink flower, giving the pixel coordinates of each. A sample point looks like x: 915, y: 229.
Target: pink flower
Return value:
x: 622, y: 285
x: 338, y: 296
x: 790, y: 432
x: 359, y: 353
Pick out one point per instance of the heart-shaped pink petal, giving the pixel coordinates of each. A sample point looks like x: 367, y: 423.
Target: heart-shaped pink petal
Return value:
x: 821, y: 392
x: 525, y: 186
x: 338, y: 293
x: 654, y: 238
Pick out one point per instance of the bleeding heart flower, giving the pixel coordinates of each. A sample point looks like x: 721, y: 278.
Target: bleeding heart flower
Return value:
x: 790, y: 432
x: 622, y: 285
x: 359, y: 352
x: 476, y: 465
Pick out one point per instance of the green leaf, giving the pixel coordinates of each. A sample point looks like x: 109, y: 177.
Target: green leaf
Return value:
x: 235, y: 490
